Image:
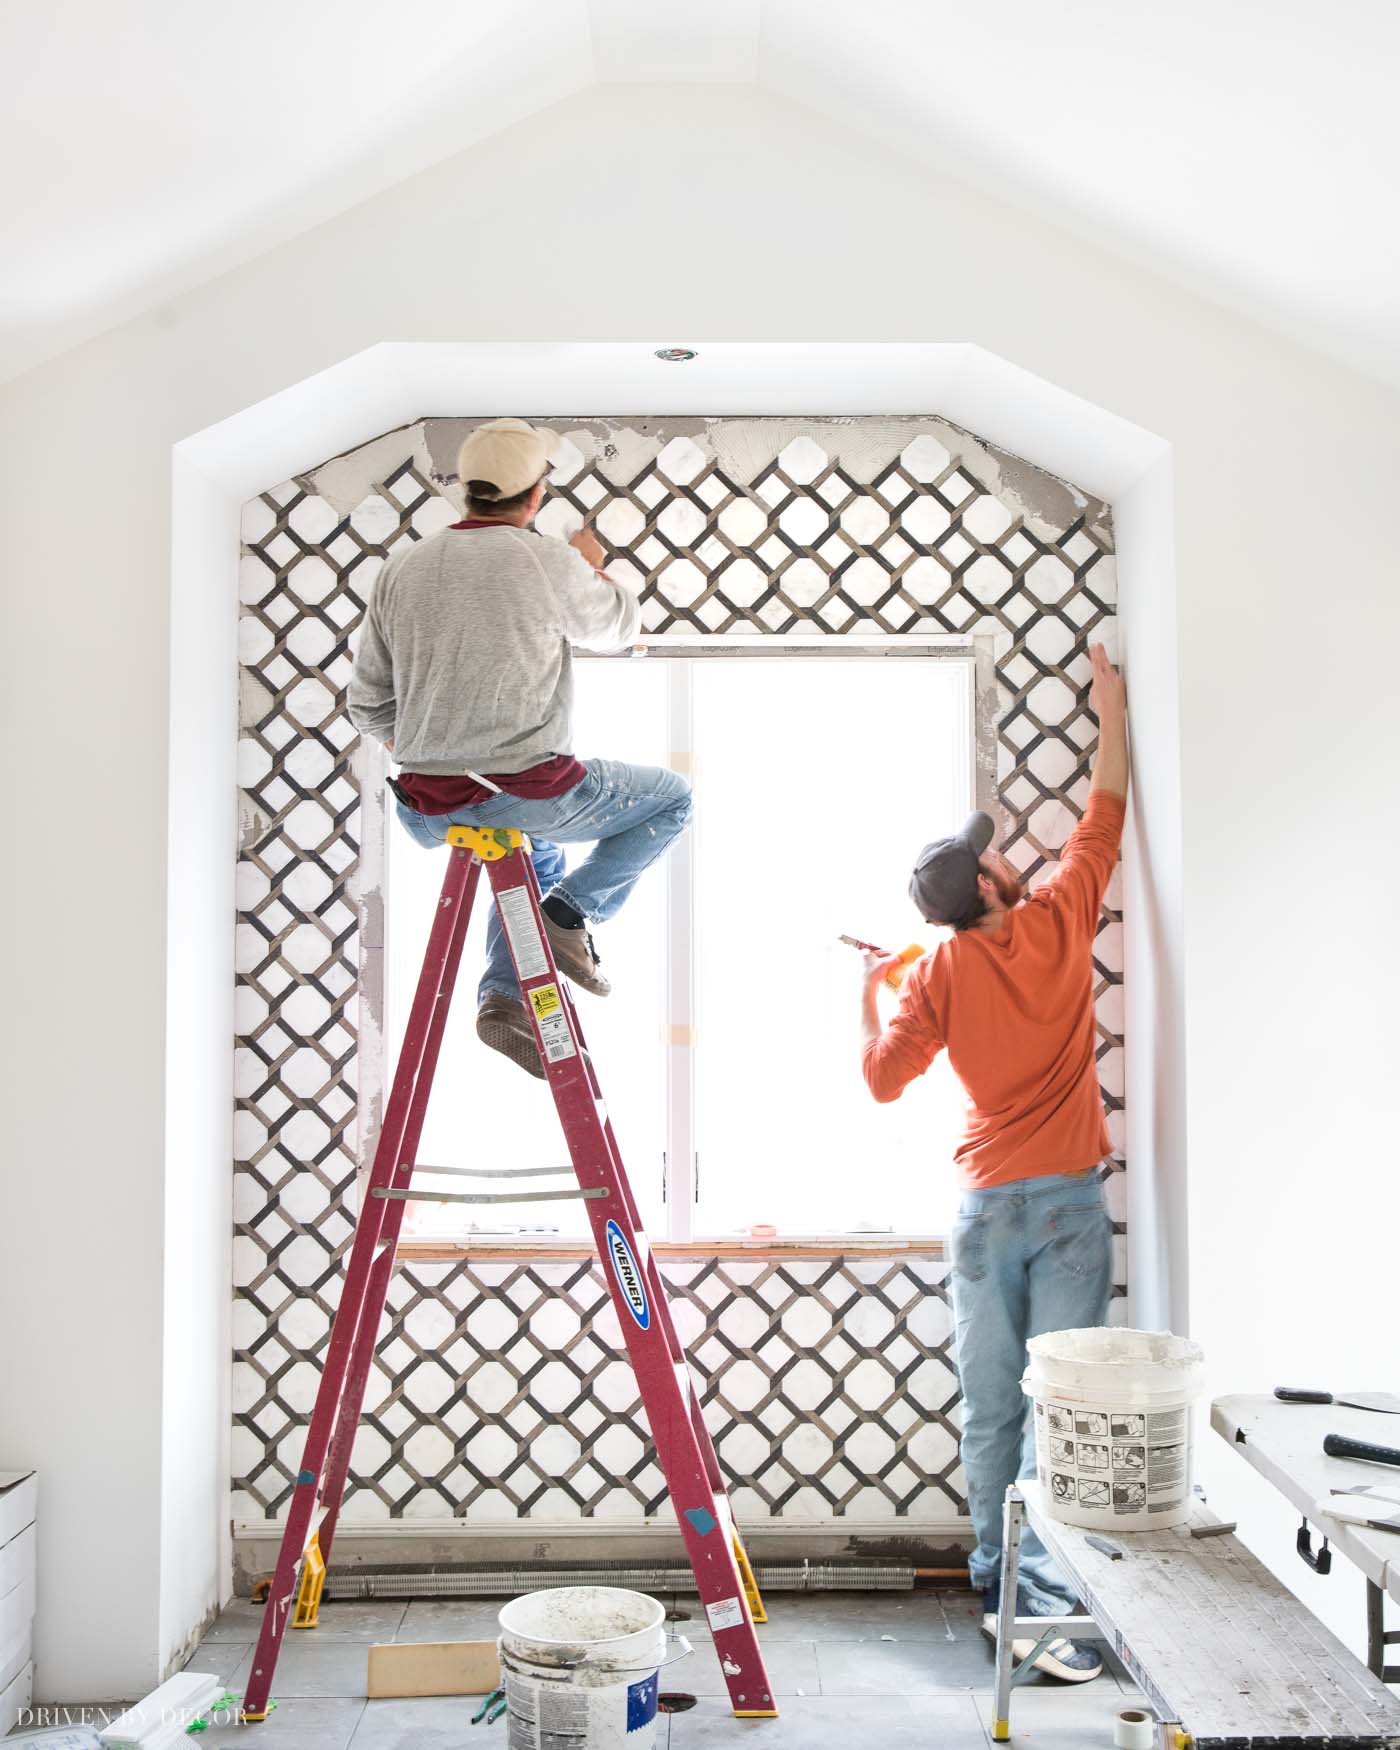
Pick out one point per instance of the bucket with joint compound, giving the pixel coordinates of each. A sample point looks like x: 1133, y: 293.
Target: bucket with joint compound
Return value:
x: 581, y: 1667
x: 1113, y: 1436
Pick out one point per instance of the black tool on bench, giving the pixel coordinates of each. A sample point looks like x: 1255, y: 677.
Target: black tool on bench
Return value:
x: 1383, y: 1401
x: 1344, y: 1446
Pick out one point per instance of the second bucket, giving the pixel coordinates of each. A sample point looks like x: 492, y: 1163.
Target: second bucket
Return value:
x: 581, y: 1666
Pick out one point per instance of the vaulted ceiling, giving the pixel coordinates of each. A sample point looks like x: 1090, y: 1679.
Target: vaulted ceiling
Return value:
x: 1248, y: 148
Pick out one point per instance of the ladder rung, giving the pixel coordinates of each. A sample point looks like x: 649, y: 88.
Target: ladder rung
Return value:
x: 485, y: 1196
x: 497, y: 1172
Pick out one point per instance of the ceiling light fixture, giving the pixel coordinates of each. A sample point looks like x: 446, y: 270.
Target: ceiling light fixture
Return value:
x: 675, y: 355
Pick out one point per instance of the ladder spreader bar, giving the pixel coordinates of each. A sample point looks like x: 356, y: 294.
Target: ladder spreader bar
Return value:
x: 485, y: 1196
x: 497, y: 1172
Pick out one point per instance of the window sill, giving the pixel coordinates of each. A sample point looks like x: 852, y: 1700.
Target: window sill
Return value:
x: 883, y: 1246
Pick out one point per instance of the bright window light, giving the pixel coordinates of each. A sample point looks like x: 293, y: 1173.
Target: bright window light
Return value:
x: 479, y: 1098
x: 816, y: 779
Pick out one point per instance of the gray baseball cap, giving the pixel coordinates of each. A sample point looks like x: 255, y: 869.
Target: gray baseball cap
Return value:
x: 944, y: 883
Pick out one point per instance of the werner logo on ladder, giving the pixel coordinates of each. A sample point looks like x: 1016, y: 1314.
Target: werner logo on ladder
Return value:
x: 683, y: 1443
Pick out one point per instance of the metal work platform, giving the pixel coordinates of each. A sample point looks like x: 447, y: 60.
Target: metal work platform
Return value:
x: 1226, y: 1656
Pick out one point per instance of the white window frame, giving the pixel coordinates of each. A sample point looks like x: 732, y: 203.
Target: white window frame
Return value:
x: 680, y: 1164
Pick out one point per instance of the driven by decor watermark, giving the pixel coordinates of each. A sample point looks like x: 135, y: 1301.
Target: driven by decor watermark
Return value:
x: 97, y: 1716
x: 89, y: 1713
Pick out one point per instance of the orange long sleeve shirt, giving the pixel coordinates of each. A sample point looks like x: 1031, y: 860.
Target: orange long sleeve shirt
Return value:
x: 1014, y: 1010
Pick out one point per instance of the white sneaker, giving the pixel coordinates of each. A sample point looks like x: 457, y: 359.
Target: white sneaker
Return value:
x: 1069, y: 1661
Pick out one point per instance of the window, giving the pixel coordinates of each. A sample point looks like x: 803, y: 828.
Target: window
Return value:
x: 728, y: 1050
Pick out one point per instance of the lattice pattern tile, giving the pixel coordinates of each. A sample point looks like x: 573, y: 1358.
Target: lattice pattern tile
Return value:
x: 503, y: 1391
x: 499, y: 1389
x: 806, y: 546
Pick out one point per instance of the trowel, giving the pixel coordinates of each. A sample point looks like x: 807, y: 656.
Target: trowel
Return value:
x: 1384, y: 1401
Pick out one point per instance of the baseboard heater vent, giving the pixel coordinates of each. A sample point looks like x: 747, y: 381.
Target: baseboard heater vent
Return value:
x: 367, y: 1583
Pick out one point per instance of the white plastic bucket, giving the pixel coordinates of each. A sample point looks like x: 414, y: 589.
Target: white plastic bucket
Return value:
x: 580, y: 1665
x: 1113, y: 1435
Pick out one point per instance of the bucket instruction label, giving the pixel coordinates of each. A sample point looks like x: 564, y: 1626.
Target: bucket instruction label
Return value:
x: 551, y: 1711
x: 629, y: 1277
x: 1118, y: 1462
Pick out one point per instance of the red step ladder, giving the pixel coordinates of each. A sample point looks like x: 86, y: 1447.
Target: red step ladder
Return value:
x: 683, y: 1445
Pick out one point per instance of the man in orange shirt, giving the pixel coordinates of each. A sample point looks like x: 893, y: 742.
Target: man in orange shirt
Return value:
x: 1009, y: 996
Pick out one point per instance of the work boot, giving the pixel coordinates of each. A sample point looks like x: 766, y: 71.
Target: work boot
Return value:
x: 575, y: 956
x: 503, y: 1023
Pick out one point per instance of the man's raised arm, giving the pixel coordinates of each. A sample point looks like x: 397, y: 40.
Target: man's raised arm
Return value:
x: 1086, y: 863
x: 1109, y: 700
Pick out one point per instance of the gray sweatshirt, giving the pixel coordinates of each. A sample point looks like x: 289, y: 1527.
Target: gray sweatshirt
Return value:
x: 464, y: 656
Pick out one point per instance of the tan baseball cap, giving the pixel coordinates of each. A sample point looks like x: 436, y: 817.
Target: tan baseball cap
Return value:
x: 511, y: 454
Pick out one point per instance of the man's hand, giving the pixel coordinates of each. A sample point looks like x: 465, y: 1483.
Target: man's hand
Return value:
x: 876, y: 968
x: 879, y: 966
x: 584, y: 541
x: 1110, y: 706
x: 1106, y: 695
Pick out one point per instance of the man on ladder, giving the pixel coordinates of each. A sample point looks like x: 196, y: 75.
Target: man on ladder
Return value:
x: 423, y: 684
x: 464, y: 670
x: 1010, y: 996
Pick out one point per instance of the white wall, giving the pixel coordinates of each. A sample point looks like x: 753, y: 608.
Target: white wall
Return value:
x: 625, y: 213
x: 1153, y: 947
x: 196, y: 1334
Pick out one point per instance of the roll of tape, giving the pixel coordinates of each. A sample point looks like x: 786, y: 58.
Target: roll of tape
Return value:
x: 1134, y: 1730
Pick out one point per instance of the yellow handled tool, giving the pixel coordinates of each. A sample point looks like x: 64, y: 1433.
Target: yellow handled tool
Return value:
x: 896, y: 975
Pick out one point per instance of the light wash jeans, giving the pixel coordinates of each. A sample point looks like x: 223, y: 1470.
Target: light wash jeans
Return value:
x: 633, y: 812
x: 1030, y: 1256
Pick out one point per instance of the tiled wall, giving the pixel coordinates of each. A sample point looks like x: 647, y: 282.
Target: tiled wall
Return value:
x: 499, y: 1392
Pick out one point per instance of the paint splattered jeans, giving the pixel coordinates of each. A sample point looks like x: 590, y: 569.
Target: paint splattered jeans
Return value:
x: 1031, y: 1256
x: 632, y: 812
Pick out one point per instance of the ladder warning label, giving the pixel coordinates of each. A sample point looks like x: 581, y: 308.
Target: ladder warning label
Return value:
x: 728, y: 1613
x: 522, y: 931
x: 553, y: 1023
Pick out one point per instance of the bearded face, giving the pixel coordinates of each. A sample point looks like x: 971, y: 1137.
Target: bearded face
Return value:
x: 1010, y: 889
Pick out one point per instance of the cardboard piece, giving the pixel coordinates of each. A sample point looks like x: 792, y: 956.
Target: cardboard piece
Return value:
x: 402, y: 1668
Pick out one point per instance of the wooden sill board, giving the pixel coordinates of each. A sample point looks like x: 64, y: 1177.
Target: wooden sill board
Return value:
x: 403, y: 1668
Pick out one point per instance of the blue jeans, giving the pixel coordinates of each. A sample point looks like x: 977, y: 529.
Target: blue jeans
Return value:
x: 1030, y: 1256
x: 632, y: 812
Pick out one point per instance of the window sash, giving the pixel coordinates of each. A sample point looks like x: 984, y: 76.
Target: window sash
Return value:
x: 680, y: 1166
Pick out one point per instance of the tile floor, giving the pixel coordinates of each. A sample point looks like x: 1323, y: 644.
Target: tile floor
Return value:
x: 896, y: 1670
